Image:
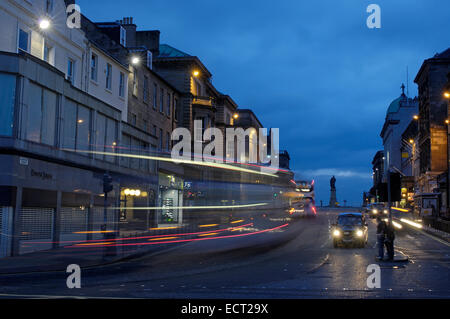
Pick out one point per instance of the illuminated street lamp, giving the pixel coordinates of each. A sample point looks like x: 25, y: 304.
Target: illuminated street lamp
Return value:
x: 44, y: 24
x: 135, y: 60
x: 235, y: 116
x: 196, y: 73
x: 416, y: 117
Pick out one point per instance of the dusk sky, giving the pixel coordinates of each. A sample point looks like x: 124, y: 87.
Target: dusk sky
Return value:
x: 311, y: 68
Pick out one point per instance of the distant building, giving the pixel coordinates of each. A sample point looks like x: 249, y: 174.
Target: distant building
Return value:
x: 398, y: 116
x: 433, y: 130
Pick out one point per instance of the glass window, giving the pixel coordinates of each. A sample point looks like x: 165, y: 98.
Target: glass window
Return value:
x: 121, y: 84
x: 168, y: 141
x: 126, y: 143
x: 168, y: 104
x: 47, y: 52
x: 111, y: 138
x: 161, y: 101
x: 144, y: 162
x: 49, y: 117
x: 135, y: 83
x: 155, y: 95
x: 108, y: 76
x: 94, y: 67
x: 123, y: 36
x: 100, y: 136
x: 70, y: 125
x: 145, y: 93
x: 135, y: 150
x: 71, y: 70
x: 175, y: 109
x: 49, y: 6
x: 23, y: 40
x: 83, y: 128
x: 34, y: 114
x: 7, y: 100
x: 160, y: 139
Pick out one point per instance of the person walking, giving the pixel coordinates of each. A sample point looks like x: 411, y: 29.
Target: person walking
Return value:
x: 381, y: 236
x: 389, y: 241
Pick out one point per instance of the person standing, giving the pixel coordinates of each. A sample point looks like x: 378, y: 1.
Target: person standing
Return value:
x: 381, y: 236
x: 389, y: 241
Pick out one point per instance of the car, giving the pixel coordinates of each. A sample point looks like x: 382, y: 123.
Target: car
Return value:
x: 377, y: 209
x: 350, y: 229
x: 303, y: 208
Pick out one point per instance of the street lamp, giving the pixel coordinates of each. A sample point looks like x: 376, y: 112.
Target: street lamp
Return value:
x: 196, y: 73
x: 135, y: 60
x: 416, y: 117
x: 44, y: 24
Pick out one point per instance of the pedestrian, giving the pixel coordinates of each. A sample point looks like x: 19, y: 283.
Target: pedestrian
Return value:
x: 381, y: 236
x: 389, y: 241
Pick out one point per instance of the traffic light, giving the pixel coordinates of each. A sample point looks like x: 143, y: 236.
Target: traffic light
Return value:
x: 107, y: 183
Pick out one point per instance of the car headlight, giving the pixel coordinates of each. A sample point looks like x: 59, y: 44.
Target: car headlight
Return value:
x: 359, y: 233
x: 374, y: 211
x: 386, y: 211
x: 336, y: 233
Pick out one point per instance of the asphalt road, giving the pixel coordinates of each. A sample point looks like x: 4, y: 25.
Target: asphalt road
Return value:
x: 305, y: 266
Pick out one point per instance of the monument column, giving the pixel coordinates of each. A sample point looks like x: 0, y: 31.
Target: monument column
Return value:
x: 333, y: 199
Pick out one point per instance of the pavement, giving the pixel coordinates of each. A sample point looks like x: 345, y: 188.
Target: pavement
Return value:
x: 300, y: 263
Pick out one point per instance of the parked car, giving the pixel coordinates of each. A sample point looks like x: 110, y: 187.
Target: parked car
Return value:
x: 350, y: 229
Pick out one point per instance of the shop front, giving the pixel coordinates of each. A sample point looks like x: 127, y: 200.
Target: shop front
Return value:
x: 170, y: 200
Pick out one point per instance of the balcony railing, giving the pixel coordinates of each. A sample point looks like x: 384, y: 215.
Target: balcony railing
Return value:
x: 203, y: 100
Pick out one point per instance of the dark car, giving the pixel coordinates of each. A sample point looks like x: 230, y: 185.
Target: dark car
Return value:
x: 377, y: 209
x: 350, y: 229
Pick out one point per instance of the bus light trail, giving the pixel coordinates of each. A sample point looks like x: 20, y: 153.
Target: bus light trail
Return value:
x: 144, y: 237
x: 193, y: 207
x: 178, y: 161
x: 196, y: 239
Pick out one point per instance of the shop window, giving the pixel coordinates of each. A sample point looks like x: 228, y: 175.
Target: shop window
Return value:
x: 41, y: 115
x: 83, y: 128
x: 69, y: 125
x: 7, y: 100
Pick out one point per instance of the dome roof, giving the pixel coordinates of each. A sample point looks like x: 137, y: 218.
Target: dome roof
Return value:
x: 395, y: 105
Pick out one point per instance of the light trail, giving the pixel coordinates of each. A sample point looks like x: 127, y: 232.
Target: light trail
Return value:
x: 192, y: 207
x: 400, y: 209
x: 142, y: 237
x: 177, y: 161
x: 410, y: 222
x: 195, y: 239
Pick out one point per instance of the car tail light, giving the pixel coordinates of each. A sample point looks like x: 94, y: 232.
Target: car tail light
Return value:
x: 314, y: 210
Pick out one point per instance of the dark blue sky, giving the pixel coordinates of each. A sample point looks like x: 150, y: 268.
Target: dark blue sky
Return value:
x: 311, y: 68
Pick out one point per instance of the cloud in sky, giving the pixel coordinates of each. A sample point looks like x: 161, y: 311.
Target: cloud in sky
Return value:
x: 334, y: 172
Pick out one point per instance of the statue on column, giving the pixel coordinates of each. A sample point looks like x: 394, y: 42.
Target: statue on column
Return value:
x: 333, y: 199
x: 333, y: 183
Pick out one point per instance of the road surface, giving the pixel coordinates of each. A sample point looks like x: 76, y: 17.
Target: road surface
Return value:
x: 305, y: 266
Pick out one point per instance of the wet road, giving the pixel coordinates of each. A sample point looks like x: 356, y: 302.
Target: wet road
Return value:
x: 305, y: 266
